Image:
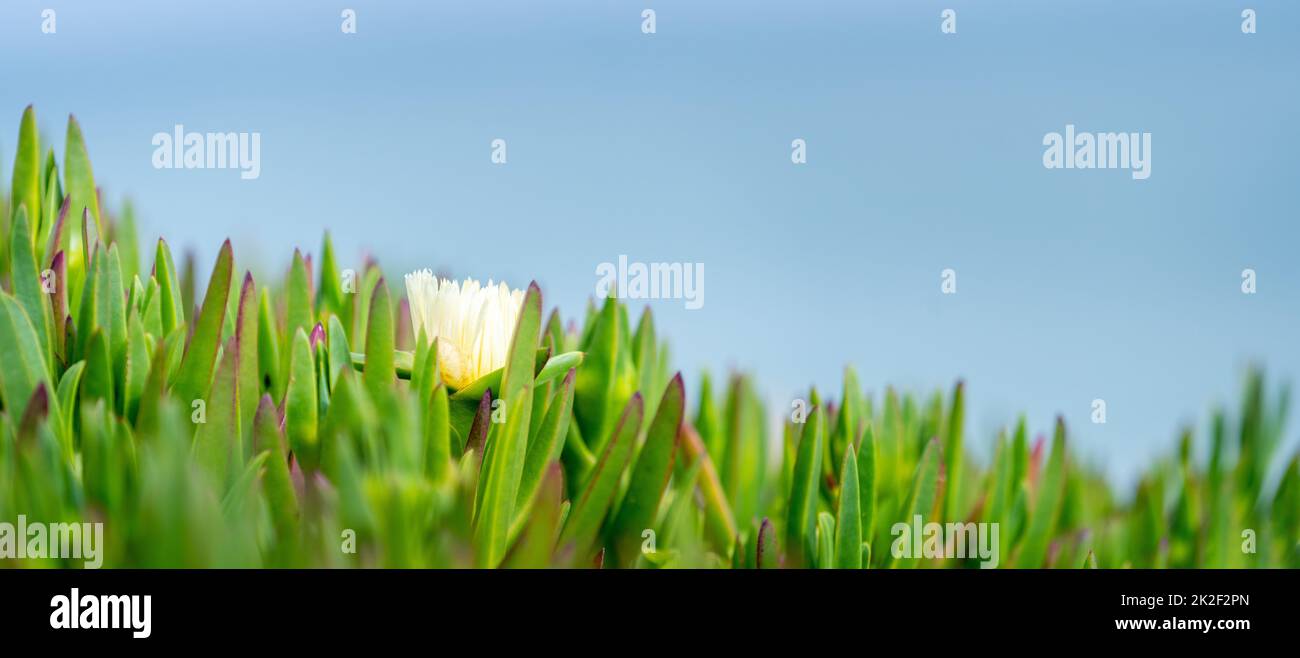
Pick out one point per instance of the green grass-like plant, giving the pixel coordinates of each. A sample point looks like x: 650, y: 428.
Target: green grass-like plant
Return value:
x: 295, y: 423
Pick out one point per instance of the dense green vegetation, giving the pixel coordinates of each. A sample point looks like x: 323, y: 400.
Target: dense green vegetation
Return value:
x: 301, y: 422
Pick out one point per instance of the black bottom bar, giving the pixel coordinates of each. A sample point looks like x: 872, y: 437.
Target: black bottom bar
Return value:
x: 304, y: 608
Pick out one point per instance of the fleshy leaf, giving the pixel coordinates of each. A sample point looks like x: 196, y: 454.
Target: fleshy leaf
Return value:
x: 380, y: 372
x: 217, y: 441
x: 802, y: 506
x: 591, y: 506
x: 848, y: 521
x: 504, y: 460
x: 545, y: 446
x: 21, y: 366
x: 650, y: 476
x: 27, y: 286
x: 25, y: 191
x: 195, y: 373
x: 300, y: 403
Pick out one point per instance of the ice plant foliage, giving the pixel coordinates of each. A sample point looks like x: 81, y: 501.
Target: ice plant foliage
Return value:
x: 472, y: 323
x: 245, y: 422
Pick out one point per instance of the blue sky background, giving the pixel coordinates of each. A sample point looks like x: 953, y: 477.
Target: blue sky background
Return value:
x: 924, y: 153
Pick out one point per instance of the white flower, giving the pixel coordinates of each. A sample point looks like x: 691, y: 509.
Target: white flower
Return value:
x: 473, y: 323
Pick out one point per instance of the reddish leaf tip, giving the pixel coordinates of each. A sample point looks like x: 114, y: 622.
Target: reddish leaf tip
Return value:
x: 317, y: 337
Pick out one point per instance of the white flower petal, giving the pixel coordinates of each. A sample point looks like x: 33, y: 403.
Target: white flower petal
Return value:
x: 473, y: 323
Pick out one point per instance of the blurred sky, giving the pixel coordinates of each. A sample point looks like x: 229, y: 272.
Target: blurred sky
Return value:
x: 924, y: 153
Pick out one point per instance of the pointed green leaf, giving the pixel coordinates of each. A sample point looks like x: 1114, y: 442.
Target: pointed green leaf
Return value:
x: 136, y: 368
x: 437, y: 436
x: 99, y: 370
x: 867, y: 482
x: 280, y: 494
x: 271, y: 371
x: 952, y: 456
x: 802, y: 505
x: 300, y: 406
x: 26, y: 188
x: 112, y: 315
x: 298, y: 313
x: 69, y: 386
x: 504, y: 460
x: 380, y: 373
x: 21, y: 366
x: 340, y: 352
x: 925, y: 483
x: 520, y: 363
x: 537, y: 539
x: 217, y: 442
x: 719, y: 521
x: 650, y: 476
x: 250, y: 387
x: 545, y: 446
x: 170, y: 307
x: 195, y: 374
x: 589, y: 510
x: 329, y: 296
x: 78, y: 175
x: 596, y: 379
x: 848, y: 520
x: 27, y: 286
x: 124, y: 236
x: 155, y: 383
x: 825, y: 540
x: 1047, y: 505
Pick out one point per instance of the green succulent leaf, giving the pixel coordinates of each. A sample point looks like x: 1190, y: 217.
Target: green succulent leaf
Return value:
x: 136, y: 368
x: 301, y: 404
x: 504, y: 460
x: 591, y: 506
x: 802, y: 505
x: 200, y: 356
x: 380, y: 372
x: 925, y: 484
x: 217, y: 439
x: 171, y: 310
x: 26, y: 188
x: 437, y: 436
x: 280, y: 494
x: 250, y: 387
x: 867, y: 482
x: 1047, y: 505
x: 99, y: 370
x: 848, y: 520
x: 545, y: 446
x: 80, y: 180
x: 654, y: 466
x: 22, y: 369
x: 595, y: 393
x: 28, y: 287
